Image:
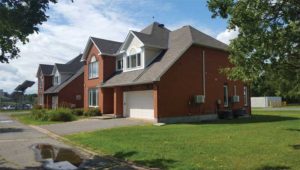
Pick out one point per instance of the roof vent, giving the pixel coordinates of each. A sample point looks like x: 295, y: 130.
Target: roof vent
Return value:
x: 161, y: 25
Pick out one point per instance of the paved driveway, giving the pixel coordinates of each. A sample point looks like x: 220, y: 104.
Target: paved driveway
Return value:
x: 16, y: 140
x: 86, y: 125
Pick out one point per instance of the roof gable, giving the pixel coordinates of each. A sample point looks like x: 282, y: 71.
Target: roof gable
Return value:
x: 105, y: 47
x: 45, y: 69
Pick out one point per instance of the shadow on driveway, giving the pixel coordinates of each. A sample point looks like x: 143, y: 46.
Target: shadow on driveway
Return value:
x: 11, y: 130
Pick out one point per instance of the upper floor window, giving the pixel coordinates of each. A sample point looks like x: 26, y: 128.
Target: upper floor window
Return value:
x: 120, y: 64
x: 41, y: 82
x: 93, y: 68
x: 133, y: 60
x: 56, y: 80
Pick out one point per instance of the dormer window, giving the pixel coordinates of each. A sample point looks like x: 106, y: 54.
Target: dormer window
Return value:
x: 93, y: 68
x: 120, y: 64
x: 133, y: 60
x: 56, y: 80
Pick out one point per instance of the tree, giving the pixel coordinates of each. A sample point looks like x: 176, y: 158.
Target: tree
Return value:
x: 19, y: 19
x: 268, y: 42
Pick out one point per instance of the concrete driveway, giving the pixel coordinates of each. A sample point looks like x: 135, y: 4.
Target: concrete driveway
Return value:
x: 86, y: 125
x: 16, y: 140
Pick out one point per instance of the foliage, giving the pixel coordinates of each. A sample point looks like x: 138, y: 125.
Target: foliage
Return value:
x: 92, y: 112
x: 268, y: 42
x: 77, y: 112
x: 39, y: 114
x: 19, y: 19
x: 60, y: 114
x: 248, y: 143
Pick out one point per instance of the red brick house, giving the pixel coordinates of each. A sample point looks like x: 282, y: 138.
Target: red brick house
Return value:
x: 161, y: 75
x: 61, y: 84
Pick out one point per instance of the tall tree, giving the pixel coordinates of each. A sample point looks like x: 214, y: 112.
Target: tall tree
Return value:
x: 19, y: 19
x: 268, y: 42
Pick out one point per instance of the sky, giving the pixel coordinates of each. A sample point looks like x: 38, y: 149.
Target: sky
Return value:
x: 69, y: 26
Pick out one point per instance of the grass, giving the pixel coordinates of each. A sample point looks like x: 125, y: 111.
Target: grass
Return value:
x: 26, y: 119
x: 268, y: 140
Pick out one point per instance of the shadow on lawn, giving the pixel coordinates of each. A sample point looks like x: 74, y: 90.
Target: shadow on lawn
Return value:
x: 10, y: 130
x: 153, y: 163
x: 293, y: 130
x: 274, y: 168
x: 252, y: 119
x: 296, y: 147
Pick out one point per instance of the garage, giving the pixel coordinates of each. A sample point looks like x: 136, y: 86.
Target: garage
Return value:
x: 139, y: 104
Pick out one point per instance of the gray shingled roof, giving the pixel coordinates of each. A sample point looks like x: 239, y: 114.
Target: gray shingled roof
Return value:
x: 56, y: 89
x: 178, y: 42
x: 106, y: 46
x: 155, y: 35
x: 70, y: 67
x: 46, y: 69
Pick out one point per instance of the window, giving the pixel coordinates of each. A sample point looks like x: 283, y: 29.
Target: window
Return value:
x: 225, y: 95
x: 41, y: 82
x: 56, y: 80
x: 93, y: 68
x: 93, y: 97
x: 133, y: 61
x: 120, y: 64
x: 245, y: 96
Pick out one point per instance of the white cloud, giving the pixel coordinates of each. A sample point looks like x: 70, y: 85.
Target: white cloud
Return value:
x: 63, y: 37
x: 227, y: 35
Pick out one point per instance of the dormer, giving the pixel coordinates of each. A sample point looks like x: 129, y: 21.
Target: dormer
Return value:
x: 141, y: 48
x: 56, y: 78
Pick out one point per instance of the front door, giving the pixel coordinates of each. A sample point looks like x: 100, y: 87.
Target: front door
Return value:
x: 54, y: 102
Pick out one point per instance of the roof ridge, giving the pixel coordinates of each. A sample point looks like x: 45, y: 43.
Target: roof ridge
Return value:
x: 105, y: 39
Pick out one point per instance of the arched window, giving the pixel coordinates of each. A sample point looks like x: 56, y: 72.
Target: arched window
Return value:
x: 93, y: 68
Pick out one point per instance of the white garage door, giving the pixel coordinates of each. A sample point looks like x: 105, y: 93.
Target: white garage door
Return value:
x: 139, y: 104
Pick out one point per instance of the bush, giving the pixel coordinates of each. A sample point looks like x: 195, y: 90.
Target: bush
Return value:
x: 61, y: 114
x: 37, y: 107
x: 39, y: 114
x: 77, y: 112
x: 92, y: 112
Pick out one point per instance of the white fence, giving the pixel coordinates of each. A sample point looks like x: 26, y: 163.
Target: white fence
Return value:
x: 266, y: 101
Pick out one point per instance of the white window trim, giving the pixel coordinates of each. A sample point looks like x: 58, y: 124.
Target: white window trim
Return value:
x: 122, y: 65
x: 245, y: 96
x: 93, y: 62
x: 97, y: 97
x: 226, y: 93
x: 136, y: 67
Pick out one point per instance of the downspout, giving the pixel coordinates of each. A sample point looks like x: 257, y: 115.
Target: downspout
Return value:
x: 203, y: 76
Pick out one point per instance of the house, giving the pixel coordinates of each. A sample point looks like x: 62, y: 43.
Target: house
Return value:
x: 61, y: 84
x: 161, y: 75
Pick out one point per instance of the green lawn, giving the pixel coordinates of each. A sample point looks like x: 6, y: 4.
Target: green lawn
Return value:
x: 268, y: 140
x: 26, y: 119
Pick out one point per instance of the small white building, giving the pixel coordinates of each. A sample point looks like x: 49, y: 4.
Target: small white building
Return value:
x: 266, y: 101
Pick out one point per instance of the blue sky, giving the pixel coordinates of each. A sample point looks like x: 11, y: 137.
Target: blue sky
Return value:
x: 66, y: 32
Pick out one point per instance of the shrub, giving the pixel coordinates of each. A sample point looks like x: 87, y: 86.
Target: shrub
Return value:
x: 37, y: 107
x: 61, y: 114
x: 39, y: 114
x: 77, y: 112
x: 92, y: 112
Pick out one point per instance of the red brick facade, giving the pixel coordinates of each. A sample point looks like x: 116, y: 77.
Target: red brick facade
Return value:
x: 172, y: 94
x: 106, y: 66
